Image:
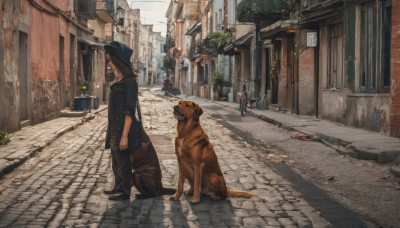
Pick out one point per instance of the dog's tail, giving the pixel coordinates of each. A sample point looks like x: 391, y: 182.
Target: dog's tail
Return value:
x: 237, y: 193
x: 168, y: 191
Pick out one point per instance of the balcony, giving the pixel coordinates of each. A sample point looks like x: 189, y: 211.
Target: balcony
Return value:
x: 268, y: 11
x: 105, y: 10
x: 320, y: 9
x: 86, y: 9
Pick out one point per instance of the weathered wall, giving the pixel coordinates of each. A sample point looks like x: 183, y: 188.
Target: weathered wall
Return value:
x: 395, y: 70
x: 334, y: 106
x: 306, y: 82
x: 98, y: 74
x: 9, y: 98
x: 45, y: 94
x: 44, y: 42
x: 367, y: 111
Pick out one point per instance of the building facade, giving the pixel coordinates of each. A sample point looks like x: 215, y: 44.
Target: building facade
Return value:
x: 46, y: 54
x: 334, y: 60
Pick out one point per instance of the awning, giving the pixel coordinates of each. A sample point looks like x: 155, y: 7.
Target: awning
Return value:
x: 244, y: 40
x: 87, y: 42
x: 277, y: 27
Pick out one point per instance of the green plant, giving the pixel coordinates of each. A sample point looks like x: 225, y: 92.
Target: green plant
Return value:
x: 84, y: 87
x: 4, y: 138
x: 218, y: 40
x: 219, y: 79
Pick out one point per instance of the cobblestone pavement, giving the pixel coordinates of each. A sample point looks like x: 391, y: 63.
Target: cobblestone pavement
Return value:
x: 63, y: 184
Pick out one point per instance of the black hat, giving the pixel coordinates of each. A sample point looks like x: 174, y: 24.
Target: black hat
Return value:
x: 119, y: 50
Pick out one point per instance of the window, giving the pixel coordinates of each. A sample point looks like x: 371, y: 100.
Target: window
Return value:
x: 375, y: 47
x: 335, y: 56
x: 387, y: 32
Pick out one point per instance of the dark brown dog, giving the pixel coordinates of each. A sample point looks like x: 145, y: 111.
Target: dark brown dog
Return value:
x: 196, y: 157
x: 147, y: 172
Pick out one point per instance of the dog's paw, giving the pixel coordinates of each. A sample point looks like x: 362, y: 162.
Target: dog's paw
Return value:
x: 195, y: 200
x: 174, y: 197
x: 216, y: 197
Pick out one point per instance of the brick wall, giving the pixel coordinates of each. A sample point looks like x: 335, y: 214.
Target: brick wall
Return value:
x: 395, y: 70
x: 306, y: 82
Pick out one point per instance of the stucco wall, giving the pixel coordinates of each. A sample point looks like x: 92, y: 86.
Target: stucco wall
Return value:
x: 44, y: 39
x: 334, y: 105
x: 367, y: 111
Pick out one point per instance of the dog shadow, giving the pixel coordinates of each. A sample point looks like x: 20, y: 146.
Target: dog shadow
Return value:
x: 162, y: 212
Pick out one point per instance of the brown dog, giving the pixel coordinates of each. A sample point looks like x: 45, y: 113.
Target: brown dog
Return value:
x: 147, y: 172
x: 196, y: 157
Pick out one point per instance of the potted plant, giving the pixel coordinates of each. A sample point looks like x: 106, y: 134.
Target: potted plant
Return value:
x: 83, y: 102
x: 83, y: 88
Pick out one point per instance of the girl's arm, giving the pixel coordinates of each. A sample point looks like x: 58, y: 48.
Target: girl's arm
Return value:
x: 123, y: 145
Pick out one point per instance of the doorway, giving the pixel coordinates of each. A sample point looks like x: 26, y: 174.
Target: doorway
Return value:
x: 23, y: 76
x: 61, y: 72
x: 267, y: 70
x: 72, y: 67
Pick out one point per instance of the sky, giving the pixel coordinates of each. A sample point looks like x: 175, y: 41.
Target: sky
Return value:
x: 152, y: 12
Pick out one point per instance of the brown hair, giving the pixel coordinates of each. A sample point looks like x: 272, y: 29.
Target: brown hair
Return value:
x: 125, y: 69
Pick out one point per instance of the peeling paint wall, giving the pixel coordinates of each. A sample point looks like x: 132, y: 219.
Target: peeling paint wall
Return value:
x: 49, y: 93
x: 369, y: 112
x: 334, y: 106
x: 9, y: 99
x: 47, y: 81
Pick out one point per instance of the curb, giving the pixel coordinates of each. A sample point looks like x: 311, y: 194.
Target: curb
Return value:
x: 31, y: 152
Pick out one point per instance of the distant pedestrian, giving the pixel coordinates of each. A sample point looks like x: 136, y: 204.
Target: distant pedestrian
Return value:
x: 244, y: 91
x: 122, y: 133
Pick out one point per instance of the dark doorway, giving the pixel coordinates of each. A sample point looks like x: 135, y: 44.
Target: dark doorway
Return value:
x: 267, y: 70
x: 275, y: 71
x: 23, y: 76
x: 61, y: 72
x: 72, y: 67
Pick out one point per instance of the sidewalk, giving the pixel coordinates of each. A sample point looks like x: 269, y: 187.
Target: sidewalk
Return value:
x: 358, y: 143
x: 30, y: 140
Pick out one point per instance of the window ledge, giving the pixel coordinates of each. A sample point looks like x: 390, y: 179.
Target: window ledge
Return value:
x: 369, y: 95
x: 332, y: 90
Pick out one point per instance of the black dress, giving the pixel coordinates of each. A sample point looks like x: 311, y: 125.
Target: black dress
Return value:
x: 123, y: 99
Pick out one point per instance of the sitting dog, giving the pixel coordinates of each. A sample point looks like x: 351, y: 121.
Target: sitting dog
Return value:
x: 196, y: 157
x: 147, y: 172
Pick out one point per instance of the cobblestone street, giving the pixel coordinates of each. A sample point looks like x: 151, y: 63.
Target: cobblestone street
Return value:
x: 63, y: 184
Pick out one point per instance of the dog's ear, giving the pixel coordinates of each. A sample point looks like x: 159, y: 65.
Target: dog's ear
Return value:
x: 198, y: 111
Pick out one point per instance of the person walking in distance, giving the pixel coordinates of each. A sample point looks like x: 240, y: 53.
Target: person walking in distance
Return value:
x: 245, y: 97
x: 122, y: 131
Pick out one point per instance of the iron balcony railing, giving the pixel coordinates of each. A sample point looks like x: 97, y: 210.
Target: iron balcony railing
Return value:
x: 252, y: 10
